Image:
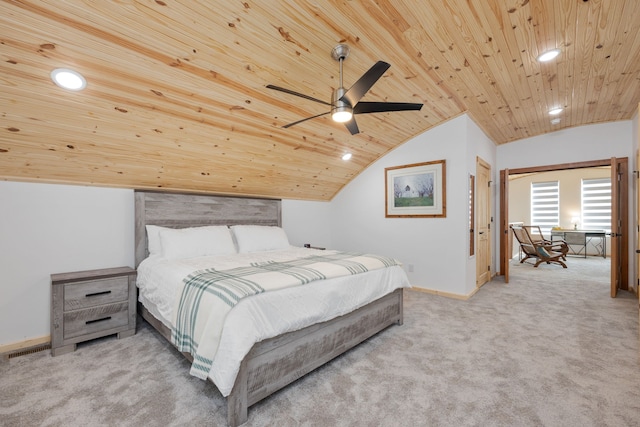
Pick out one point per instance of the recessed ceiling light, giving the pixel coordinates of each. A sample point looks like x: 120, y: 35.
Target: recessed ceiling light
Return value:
x: 68, y: 79
x: 555, y: 121
x: 548, y: 55
x: 555, y: 111
x: 346, y: 156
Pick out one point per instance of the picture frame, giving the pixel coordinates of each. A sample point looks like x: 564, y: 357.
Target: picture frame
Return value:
x: 417, y: 190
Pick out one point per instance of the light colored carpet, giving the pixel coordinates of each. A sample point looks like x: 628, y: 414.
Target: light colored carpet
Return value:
x: 549, y: 349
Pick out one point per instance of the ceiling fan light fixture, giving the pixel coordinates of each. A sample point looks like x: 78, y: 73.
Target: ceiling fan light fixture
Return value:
x: 68, y: 79
x: 548, y: 55
x: 341, y: 114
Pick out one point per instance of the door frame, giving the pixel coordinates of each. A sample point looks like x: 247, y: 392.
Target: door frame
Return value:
x: 623, y: 165
x: 505, y: 236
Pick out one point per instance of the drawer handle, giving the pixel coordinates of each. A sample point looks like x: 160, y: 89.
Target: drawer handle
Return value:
x: 88, y: 322
x: 95, y: 294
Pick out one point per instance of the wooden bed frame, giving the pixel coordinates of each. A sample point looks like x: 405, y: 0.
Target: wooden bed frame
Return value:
x: 276, y: 362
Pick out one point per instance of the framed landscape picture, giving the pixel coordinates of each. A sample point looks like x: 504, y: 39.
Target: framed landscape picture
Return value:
x: 416, y: 191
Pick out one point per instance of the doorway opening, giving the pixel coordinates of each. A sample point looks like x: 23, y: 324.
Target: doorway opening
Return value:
x: 615, y: 247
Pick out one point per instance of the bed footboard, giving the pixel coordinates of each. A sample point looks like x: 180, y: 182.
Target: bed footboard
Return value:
x: 276, y: 362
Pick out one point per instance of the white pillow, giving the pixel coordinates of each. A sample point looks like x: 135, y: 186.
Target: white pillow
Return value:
x: 255, y: 238
x: 153, y: 239
x: 196, y: 241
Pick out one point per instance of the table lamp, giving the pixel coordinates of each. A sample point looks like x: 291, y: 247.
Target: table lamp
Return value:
x: 574, y: 221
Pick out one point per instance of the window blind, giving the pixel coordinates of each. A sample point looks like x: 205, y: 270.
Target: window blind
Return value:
x: 596, y: 204
x: 545, y: 205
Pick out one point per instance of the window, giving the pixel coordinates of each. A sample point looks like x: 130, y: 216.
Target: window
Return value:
x: 596, y: 204
x: 545, y: 205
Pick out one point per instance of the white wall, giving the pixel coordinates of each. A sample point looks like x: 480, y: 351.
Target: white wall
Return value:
x: 46, y: 229
x: 307, y: 222
x: 437, y: 248
x: 592, y: 142
x: 358, y: 212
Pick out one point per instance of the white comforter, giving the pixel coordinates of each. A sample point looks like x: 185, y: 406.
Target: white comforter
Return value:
x: 267, y: 314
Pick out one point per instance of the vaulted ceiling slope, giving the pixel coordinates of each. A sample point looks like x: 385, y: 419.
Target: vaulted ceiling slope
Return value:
x: 176, y: 93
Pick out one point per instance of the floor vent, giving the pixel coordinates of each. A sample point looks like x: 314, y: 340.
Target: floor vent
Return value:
x: 26, y: 351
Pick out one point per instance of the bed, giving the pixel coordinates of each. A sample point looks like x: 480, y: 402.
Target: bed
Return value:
x: 273, y: 362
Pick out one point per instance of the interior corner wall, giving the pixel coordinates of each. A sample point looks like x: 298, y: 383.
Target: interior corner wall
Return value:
x: 434, y: 251
x: 47, y: 229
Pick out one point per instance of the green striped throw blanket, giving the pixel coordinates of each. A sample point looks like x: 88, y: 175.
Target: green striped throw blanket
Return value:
x: 208, y: 295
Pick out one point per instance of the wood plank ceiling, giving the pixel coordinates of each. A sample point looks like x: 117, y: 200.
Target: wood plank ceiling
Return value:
x: 176, y: 95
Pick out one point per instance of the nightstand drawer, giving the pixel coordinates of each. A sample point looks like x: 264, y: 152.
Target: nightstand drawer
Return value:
x: 95, y: 292
x: 95, y: 319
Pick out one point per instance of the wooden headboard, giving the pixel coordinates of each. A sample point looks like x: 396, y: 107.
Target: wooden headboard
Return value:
x: 177, y: 210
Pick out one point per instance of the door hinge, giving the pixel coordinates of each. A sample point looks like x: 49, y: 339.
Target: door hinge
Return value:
x: 488, y: 268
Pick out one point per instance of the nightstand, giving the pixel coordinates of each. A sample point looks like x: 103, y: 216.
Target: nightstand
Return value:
x: 91, y: 304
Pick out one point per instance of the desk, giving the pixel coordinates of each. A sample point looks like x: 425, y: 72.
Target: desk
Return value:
x: 581, y: 238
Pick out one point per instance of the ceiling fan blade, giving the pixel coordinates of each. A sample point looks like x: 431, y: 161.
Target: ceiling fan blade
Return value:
x: 352, y: 126
x: 364, y: 83
x: 301, y: 95
x: 304, y: 120
x: 381, y: 107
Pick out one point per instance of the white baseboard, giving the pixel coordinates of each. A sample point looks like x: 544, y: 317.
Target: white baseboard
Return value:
x: 445, y: 294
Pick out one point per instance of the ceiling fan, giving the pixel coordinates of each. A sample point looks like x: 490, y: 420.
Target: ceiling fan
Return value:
x: 346, y: 103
